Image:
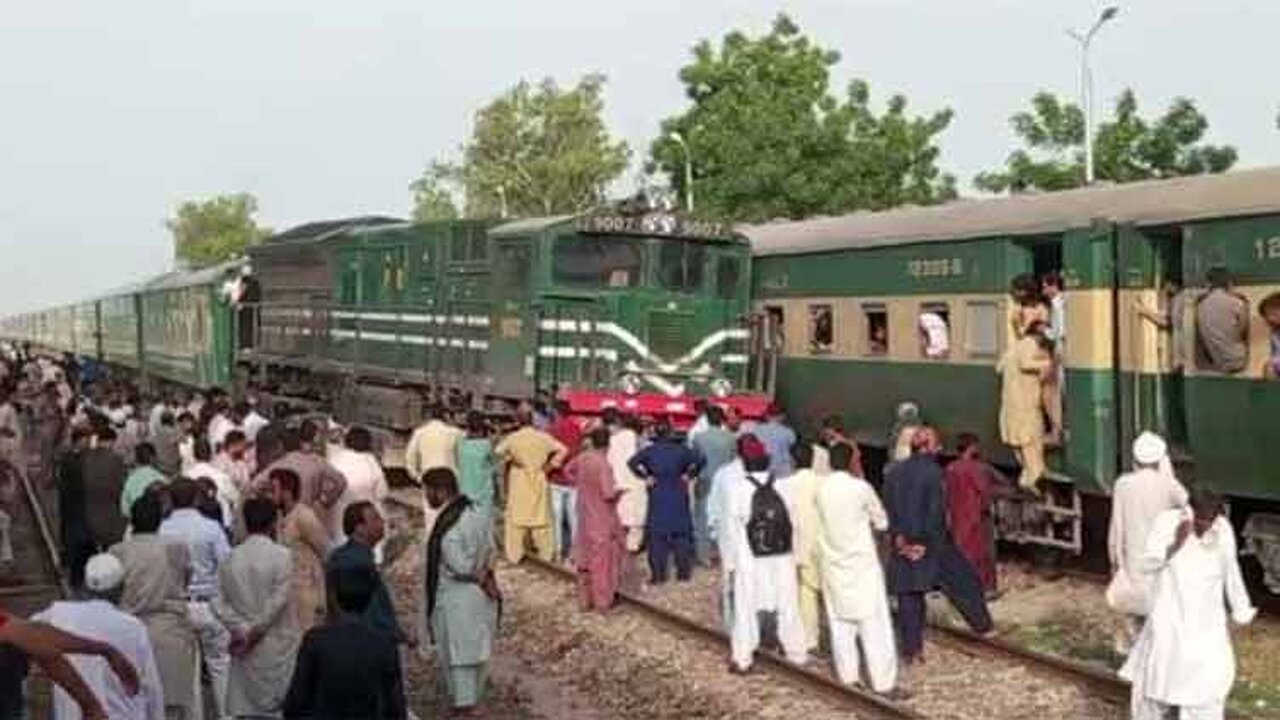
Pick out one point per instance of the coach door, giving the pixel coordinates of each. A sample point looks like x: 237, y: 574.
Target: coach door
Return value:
x: 766, y: 345
x: 1090, y: 370
x: 1151, y: 333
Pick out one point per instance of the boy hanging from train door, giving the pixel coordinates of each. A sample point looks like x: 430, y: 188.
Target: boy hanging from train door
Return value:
x: 1056, y: 331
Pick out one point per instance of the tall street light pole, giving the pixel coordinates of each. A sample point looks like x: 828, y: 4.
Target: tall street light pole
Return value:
x: 688, y: 169
x: 1086, y: 85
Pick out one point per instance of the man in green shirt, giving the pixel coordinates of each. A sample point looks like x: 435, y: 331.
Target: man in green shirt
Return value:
x: 142, y: 477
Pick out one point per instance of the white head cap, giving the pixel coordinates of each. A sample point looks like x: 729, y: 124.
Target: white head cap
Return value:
x: 103, y: 573
x: 1149, y: 448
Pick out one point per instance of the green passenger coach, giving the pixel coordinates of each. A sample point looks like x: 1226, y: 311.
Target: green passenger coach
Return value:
x: 186, y: 327
x: 847, y: 296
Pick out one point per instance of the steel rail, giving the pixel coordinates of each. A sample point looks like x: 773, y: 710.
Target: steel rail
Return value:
x: 1105, y: 683
x: 46, y: 533
x: 867, y: 704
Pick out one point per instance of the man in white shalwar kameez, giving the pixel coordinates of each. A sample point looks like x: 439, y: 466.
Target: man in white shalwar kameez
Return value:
x: 633, y: 508
x: 1183, y: 657
x: 461, y: 596
x: 730, y: 473
x: 1136, y: 500
x: 760, y: 584
x: 857, y: 601
x: 254, y: 604
x: 94, y: 616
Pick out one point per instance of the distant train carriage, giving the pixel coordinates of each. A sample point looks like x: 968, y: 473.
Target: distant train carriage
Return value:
x: 186, y: 332
x: 849, y: 295
x: 85, y: 330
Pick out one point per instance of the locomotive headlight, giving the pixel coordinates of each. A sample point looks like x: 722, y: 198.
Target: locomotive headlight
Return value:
x: 630, y: 383
x: 721, y: 388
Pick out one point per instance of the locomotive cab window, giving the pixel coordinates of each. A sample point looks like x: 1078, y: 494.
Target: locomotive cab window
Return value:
x: 728, y: 276
x: 680, y: 265
x: 821, y: 329
x: 596, y: 261
x: 933, y: 325
x: 513, y: 267
x: 467, y: 244
x: 876, y: 341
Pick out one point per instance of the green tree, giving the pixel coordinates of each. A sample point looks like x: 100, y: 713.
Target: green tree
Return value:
x: 433, y: 197
x: 1126, y: 147
x: 768, y: 139
x: 536, y: 150
x: 210, y: 231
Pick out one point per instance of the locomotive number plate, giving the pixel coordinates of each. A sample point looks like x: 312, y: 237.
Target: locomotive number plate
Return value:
x: 511, y: 327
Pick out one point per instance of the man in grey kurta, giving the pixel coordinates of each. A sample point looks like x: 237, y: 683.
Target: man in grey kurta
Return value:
x: 1222, y: 325
x: 461, y: 594
x: 155, y: 591
x: 253, y: 605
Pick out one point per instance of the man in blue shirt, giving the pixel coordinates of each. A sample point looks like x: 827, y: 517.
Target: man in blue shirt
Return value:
x: 923, y: 556
x: 717, y: 447
x: 668, y: 467
x: 777, y: 439
x: 364, y: 529
x: 207, y: 546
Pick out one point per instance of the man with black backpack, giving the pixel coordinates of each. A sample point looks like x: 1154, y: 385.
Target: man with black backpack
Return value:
x: 759, y: 540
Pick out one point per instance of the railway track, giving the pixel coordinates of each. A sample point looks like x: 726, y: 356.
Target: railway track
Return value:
x: 1101, y: 685
x: 1105, y: 683
x: 865, y: 703
x: 36, y: 576
x: 988, y: 659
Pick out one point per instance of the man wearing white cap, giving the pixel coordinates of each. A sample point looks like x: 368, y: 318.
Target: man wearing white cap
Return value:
x: 1136, y: 500
x: 94, y: 615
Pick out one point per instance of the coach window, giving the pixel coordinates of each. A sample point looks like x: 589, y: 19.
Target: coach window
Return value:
x: 982, y: 329
x: 933, y: 325
x: 876, y: 341
x: 728, y: 277
x: 821, y: 329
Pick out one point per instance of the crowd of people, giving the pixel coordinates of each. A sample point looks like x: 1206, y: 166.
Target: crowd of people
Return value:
x: 790, y: 525
x: 224, y: 557
x: 227, y: 555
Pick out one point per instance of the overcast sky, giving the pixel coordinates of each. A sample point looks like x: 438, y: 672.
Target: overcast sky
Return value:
x: 114, y: 112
